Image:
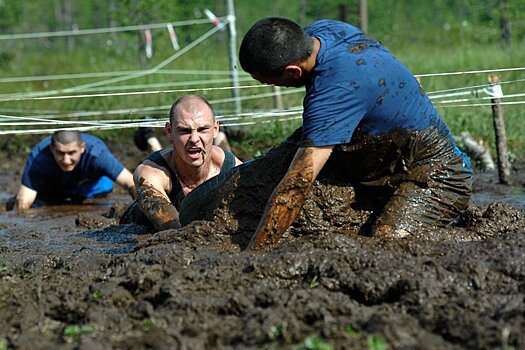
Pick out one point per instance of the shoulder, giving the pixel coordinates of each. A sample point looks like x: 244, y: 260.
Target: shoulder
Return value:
x: 41, y: 146
x: 156, y: 162
x: 93, y: 143
x: 158, y: 158
x: 330, y: 26
x: 41, y: 152
x: 218, y: 155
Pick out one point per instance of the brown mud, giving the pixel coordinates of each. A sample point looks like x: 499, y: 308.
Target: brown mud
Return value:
x: 71, y: 278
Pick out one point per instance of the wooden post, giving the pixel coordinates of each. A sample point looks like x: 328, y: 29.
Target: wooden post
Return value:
x: 277, y: 97
x: 363, y: 15
x: 499, y: 128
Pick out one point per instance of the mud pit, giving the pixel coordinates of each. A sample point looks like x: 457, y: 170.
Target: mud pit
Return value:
x: 72, y: 278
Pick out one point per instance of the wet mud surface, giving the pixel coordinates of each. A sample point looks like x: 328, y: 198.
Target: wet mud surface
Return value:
x: 71, y: 277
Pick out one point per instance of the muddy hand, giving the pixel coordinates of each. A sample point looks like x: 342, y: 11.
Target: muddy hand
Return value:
x: 284, y: 208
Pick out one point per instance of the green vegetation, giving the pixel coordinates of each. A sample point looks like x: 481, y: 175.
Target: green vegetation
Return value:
x: 96, y: 294
x: 429, y: 37
x: 73, y: 333
x: 313, y: 283
x: 314, y: 343
x: 376, y: 343
x: 276, y: 332
x: 152, y: 324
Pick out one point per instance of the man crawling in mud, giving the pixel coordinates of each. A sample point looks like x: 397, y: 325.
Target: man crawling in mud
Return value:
x: 69, y: 166
x: 361, y: 98
x: 168, y: 175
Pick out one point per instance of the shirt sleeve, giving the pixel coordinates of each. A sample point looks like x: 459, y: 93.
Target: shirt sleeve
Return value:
x: 108, y: 164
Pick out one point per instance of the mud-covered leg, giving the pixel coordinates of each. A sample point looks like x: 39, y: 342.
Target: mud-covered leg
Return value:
x: 413, y: 207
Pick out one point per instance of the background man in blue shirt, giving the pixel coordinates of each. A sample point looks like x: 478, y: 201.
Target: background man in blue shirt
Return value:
x: 360, y: 96
x: 70, y: 166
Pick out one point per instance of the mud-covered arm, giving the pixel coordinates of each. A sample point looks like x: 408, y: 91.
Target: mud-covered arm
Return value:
x: 288, y: 198
x: 151, y: 183
x: 25, y: 198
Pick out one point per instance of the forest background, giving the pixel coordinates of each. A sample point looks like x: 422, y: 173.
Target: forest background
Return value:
x: 442, y: 36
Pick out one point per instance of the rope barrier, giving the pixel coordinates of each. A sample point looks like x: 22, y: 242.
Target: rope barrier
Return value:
x: 470, y: 72
x: 114, y: 73
x: 62, y: 97
x: 135, y: 75
x: 75, y: 32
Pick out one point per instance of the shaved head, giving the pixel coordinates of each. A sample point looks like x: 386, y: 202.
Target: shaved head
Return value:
x: 65, y: 137
x: 189, y: 102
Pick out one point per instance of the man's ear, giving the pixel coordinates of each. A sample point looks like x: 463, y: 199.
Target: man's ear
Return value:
x: 168, y: 130
x: 215, y: 128
x: 293, y: 71
x: 82, y: 147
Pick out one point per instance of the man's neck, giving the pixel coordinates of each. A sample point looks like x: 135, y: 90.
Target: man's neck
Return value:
x: 191, y: 176
x: 309, y: 64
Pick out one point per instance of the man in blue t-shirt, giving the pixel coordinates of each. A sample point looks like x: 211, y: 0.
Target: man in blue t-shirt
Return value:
x: 70, y: 166
x: 361, y: 101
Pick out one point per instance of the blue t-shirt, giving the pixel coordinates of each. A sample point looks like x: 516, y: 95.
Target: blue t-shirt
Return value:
x: 359, y: 88
x: 43, y: 174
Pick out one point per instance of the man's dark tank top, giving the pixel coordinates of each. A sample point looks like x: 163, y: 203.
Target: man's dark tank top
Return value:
x: 177, y: 194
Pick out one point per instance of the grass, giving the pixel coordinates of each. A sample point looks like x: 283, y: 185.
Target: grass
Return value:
x: 459, y: 53
x: 73, y: 333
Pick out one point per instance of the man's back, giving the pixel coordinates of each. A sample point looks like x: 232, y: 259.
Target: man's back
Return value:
x: 361, y: 89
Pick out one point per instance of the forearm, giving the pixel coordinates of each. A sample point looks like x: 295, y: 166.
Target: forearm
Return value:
x: 125, y: 179
x: 285, y: 204
x: 288, y: 198
x: 25, y: 198
x: 157, y: 208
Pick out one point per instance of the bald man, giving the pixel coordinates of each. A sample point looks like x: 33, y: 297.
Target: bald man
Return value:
x: 168, y: 175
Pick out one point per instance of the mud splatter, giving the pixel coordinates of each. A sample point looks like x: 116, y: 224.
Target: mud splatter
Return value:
x: 357, y: 48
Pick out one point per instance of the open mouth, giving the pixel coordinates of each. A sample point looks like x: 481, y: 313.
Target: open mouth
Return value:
x: 194, y: 152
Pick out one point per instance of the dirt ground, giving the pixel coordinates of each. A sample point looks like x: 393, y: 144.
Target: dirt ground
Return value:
x: 72, y: 278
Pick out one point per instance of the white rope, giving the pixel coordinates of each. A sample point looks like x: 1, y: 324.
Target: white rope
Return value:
x: 108, y: 112
x: 471, y: 87
x: 470, y: 72
x: 62, y: 97
x: 478, y: 98
x: 131, y: 76
x: 101, y: 30
x: 130, y: 123
x: 172, y: 84
x: 114, y: 73
x: 483, y: 104
x: 129, y: 111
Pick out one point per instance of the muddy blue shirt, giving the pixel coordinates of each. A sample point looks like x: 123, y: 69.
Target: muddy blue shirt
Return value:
x: 359, y: 88
x: 90, y: 177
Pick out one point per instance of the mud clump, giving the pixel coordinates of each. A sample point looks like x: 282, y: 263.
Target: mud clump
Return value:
x: 96, y: 284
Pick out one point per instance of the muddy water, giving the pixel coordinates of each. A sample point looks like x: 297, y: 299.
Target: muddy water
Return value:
x: 195, y: 288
